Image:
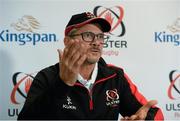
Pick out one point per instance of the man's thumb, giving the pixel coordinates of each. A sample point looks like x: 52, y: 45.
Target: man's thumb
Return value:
x: 60, y: 53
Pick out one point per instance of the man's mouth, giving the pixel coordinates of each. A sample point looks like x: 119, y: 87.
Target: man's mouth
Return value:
x: 95, y: 50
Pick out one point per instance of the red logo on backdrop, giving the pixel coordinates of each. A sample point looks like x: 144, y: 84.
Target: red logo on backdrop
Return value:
x: 114, y: 15
x: 174, y: 78
x: 22, y: 83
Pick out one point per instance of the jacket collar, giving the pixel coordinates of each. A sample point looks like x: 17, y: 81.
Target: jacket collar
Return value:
x: 103, y: 70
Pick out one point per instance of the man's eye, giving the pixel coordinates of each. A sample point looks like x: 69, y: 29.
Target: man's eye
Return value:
x: 101, y: 36
x: 86, y: 34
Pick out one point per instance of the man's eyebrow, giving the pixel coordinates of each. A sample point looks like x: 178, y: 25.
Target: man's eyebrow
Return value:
x: 93, y: 32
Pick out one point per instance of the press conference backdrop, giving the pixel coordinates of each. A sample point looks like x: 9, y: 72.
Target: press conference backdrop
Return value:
x: 144, y: 40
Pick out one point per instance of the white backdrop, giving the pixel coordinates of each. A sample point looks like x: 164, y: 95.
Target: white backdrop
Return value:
x: 145, y: 42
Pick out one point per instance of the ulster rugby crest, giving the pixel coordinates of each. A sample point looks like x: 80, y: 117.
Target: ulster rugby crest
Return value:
x: 112, y: 98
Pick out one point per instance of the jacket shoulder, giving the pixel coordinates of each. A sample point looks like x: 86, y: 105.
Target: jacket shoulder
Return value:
x: 47, y: 75
x: 116, y: 68
x: 51, y: 69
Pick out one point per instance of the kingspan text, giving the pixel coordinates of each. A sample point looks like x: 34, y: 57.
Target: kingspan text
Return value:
x: 24, y: 38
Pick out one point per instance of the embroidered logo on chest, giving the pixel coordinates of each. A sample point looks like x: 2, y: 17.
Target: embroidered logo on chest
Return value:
x: 112, y: 98
x: 69, y: 105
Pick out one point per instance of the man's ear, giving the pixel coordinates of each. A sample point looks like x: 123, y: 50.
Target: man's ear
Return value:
x: 66, y: 40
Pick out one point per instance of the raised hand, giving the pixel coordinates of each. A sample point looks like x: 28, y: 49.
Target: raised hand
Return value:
x: 70, y: 60
x: 142, y: 112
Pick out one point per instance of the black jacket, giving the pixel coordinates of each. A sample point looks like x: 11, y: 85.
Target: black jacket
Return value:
x: 112, y: 93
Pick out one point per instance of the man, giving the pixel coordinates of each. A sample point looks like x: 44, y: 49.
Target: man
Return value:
x: 82, y: 85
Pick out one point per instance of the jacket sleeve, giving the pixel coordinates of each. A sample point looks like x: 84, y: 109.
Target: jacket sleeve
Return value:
x: 132, y: 100
x: 46, y: 85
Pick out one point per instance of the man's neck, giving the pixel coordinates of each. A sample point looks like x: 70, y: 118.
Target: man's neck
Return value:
x: 86, y: 70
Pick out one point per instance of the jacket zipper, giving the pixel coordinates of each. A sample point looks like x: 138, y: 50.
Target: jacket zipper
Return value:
x: 91, y: 103
x: 90, y: 91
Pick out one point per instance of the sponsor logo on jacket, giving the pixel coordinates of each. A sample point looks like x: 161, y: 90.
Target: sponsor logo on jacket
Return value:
x: 69, y: 105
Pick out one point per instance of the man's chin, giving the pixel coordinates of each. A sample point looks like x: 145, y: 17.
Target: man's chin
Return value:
x: 92, y: 60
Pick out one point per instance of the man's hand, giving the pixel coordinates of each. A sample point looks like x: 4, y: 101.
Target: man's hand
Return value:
x: 142, y: 112
x: 70, y: 60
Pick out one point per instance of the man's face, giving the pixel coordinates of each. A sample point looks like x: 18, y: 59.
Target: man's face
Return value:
x: 94, y: 50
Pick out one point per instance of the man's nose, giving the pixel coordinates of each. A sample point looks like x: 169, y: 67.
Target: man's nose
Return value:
x: 96, y: 42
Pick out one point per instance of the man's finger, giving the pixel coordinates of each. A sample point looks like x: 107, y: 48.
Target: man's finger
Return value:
x: 60, y: 52
x: 147, y: 106
x: 125, y: 118
x: 74, y: 59
x: 68, y: 47
x: 150, y: 104
x: 71, y: 49
x: 81, y: 60
x: 133, y: 117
